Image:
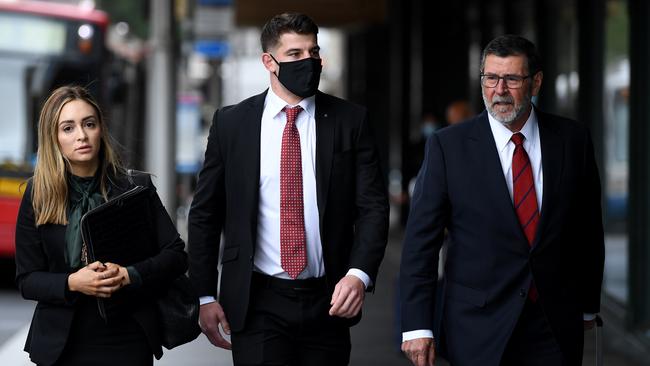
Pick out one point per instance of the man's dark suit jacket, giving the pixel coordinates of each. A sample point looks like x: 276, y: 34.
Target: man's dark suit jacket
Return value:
x: 351, y: 197
x: 42, y: 275
x: 489, y: 265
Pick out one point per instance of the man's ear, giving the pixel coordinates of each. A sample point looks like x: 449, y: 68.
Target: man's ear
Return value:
x: 269, y: 63
x: 537, y: 82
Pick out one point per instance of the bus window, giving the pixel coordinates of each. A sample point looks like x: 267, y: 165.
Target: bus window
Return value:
x: 13, y: 138
x: 27, y: 34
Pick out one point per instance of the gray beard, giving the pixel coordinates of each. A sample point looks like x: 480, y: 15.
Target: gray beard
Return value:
x: 516, y: 112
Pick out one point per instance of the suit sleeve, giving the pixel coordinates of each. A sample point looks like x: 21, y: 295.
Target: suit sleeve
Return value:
x: 593, y: 246
x: 206, y: 217
x: 371, y: 225
x: 33, y: 277
x: 423, y: 240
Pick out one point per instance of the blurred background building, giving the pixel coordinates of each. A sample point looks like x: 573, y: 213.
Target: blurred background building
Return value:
x: 162, y: 67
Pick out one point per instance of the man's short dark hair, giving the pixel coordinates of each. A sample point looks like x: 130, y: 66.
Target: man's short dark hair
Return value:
x: 513, y: 45
x: 285, y: 23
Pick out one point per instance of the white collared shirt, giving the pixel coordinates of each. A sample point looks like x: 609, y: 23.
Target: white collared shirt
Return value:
x: 267, y: 253
x: 532, y: 145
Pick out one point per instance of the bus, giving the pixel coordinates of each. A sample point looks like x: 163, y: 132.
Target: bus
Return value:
x: 42, y: 46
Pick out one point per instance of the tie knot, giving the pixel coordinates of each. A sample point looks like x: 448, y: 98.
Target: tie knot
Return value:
x: 292, y: 113
x: 517, y: 138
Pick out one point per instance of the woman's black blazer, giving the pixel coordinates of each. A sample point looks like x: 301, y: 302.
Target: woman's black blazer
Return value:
x: 42, y: 274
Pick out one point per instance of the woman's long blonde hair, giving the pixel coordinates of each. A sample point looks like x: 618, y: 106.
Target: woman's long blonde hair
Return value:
x: 49, y: 186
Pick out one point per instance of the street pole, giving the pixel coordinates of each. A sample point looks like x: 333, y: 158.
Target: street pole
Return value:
x: 161, y: 104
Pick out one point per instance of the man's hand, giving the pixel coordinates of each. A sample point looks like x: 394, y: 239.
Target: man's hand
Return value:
x: 348, y: 297
x: 589, y: 324
x: 211, y: 315
x: 421, y: 351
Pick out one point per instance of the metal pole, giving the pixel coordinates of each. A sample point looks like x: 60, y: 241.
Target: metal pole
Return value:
x: 161, y: 105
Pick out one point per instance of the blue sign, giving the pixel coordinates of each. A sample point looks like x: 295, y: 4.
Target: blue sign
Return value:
x: 189, y: 148
x: 212, y: 49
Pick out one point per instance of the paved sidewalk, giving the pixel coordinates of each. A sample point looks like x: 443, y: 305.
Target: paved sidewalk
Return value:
x: 200, y: 352
x: 11, y: 351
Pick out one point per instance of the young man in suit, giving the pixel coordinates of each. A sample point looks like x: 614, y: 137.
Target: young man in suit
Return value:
x: 292, y: 179
x: 519, y: 193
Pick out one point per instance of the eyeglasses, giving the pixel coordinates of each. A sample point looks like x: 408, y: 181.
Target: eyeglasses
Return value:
x: 512, y: 81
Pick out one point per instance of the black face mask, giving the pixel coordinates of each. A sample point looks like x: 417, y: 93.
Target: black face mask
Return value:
x: 300, y: 77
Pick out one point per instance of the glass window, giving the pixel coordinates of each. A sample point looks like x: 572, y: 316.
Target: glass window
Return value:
x: 28, y: 34
x: 13, y: 136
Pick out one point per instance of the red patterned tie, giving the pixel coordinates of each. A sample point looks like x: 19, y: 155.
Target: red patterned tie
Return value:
x: 293, y: 250
x: 525, y: 197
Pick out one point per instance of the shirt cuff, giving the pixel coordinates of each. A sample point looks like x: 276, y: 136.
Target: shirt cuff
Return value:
x: 134, y: 276
x: 588, y: 317
x: 206, y: 300
x: 360, y: 275
x: 415, y: 334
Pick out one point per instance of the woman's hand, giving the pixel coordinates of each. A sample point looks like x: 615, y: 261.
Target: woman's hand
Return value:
x: 122, y: 273
x: 96, y: 279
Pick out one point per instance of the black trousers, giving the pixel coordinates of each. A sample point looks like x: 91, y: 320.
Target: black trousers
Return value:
x: 532, y: 342
x: 288, y: 325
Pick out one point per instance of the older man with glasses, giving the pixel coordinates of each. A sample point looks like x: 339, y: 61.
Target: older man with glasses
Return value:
x: 519, y: 193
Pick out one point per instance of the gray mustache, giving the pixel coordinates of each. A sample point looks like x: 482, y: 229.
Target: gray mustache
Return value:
x: 502, y: 99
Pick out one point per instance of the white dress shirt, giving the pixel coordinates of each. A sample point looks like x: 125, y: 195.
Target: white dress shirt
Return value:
x: 267, y: 253
x: 532, y: 145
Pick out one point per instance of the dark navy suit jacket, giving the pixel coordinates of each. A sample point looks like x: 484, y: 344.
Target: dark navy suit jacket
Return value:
x: 489, y: 266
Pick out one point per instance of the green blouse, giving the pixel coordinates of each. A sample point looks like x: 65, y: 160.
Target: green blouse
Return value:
x: 83, y: 195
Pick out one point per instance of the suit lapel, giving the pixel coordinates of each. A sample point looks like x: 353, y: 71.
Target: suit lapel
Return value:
x: 249, y: 148
x: 325, y: 124
x: 491, y: 174
x: 492, y: 177
x: 552, y: 165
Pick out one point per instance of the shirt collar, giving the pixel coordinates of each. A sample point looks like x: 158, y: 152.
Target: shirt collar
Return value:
x: 275, y: 104
x: 502, y: 134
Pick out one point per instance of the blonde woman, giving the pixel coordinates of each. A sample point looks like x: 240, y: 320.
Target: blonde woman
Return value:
x: 78, y: 169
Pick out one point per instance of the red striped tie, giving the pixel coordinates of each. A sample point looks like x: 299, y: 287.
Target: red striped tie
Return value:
x: 293, y: 251
x: 525, y: 198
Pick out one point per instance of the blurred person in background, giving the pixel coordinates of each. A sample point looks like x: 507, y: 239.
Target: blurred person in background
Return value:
x: 76, y: 170
x: 458, y: 111
x: 519, y: 193
x: 428, y: 126
x: 292, y: 179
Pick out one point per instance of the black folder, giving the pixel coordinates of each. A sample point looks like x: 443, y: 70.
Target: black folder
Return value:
x: 119, y: 231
